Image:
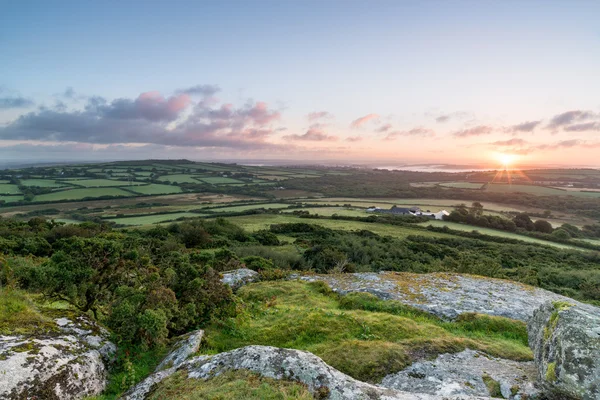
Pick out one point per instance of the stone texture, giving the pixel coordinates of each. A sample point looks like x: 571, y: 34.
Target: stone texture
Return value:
x: 184, y: 347
x: 239, y: 277
x: 445, y: 295
x: 462, y: 374
x: 565, y: 338
x: 295, y: 365
x: 69, y: 364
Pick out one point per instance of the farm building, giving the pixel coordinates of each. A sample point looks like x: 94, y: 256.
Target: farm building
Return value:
x: 416, y: 211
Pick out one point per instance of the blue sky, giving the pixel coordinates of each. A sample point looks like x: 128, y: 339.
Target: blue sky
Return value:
x: 478, y: 63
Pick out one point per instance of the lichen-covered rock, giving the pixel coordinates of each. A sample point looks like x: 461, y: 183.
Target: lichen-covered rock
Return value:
x: 565, y: 338
x: 184, y: 347
x: 294, y: 365
x: 467, y: 373
x: 445, y: 295
x: 69, y: 363
x: 239, y: 277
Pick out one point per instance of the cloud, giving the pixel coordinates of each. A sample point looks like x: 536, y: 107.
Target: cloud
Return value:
x: 357, y: 123
x: 313, y: 116
x: 569, y: 117
x: 200, y: 90
x: 312, y: 135
x: 528, y: 126
x: 354, y: 139
x: 443, y: 118
x: 415, y: 132
x: 384, y: 128
x: 510, y: 142
x: 475, y: 131
x: 587, y: 126
x: 152, y: 119
x: 564, y: 144
x: 15, y: 102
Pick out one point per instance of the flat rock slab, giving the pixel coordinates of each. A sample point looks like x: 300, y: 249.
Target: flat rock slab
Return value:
x: 446, y: 295
x: 294, y: 365
x: 467, y: 373
x: 184, y: 347
x: 68, y: 364
x: 239, y: 277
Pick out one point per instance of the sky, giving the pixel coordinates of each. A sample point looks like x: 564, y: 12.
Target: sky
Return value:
x: 389, y: 82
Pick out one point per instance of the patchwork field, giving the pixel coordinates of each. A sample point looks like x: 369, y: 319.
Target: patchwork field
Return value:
x: 78, y: 194
x: 156, y: 188
x: 7, y: 188
x: 462, y: 185
x: 216, y: 180
x: 152, y: 219
x: 89, y: 183
x: 181, y: 178
x: 537, y: 190
x: 43, y: 183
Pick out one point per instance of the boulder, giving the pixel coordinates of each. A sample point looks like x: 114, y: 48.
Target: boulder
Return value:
x: 565, y: 339
x: 445, y: 295
x: 322, y: 380
x: 239, y: 277
x: 184, y: 347
x: 467, y: 373
x: 68, y: 362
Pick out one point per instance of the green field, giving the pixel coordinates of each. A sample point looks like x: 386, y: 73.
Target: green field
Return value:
x: 264, y: 221
x: 152, y: 219
x: 78, y: 194
x: 246, y: 207
x: 89, y: 183
x: 217, y: 180
x: 8, y: 188
x: 155, y: 188
x: 329, y: 211
x: 180, y: 178
x: 11, y: 199
x: 42, y: 183
x: 462, y: 185
x: 537, y: 190
x: 494, y: 232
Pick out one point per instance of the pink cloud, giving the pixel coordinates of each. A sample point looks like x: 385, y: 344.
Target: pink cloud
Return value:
x: 357, y: 123
x: 313, y: 135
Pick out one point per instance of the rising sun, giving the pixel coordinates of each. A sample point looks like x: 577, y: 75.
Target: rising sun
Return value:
x: 506, y: 159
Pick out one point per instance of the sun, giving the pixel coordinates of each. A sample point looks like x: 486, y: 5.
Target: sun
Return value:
x: 506, y: 159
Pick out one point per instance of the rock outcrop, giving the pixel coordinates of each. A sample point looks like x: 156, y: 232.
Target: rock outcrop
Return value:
x: 239, y: 277
x: 565, y: 338
x: 184, y: 347
x: 467, y: 373
x: 445, y: 295
x: 304, y: 367
x: 69, y: 363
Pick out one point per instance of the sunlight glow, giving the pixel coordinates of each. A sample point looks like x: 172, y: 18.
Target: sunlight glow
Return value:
x: 506, y: 159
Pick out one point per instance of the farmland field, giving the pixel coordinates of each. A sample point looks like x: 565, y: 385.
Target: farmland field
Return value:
x: 42, y: 183
x: 329, y: 211
x: 462, y: 185
x: 156, y: 188
x: 180, y: 178
x: 217, y: 180
x: 78, y: 194
x: 104, y: 183
x: 8, y: 188
x: 537, y: 190
x: 152, y: 219
x: 494, y: 232
x: 11, y: 199
x: 246, y: 207
x: 264, y: 221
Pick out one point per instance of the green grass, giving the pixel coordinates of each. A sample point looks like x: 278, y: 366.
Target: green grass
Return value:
x: 362, y: 336
x: 20, y: 316
x: 240, y: 384
x: 11, y: 199
x: 42, y: 183
x: 494, y: 232
x: 462, y: 185
x: 8, y: 188
x: 78, y: 194
x: 152, y: 219
x: 180, y: 178
x: 247, y: 207
x: 537, y: 190
x: 264, y: 221
x: 329, y: 211
x: 104, y: 183
x: 156, y: 188
x: 217, y: 180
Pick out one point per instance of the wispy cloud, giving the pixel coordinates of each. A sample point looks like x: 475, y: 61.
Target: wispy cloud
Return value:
x: 317, y: 115
x: 415, y: 132
x: 384, y: 128
x: 312, y: 135
x: 570, y: 117
x: 200, y: 90
x: 528, y: 126
x: 475, y: 131
x: 8, y: 100
x: 357, y: 123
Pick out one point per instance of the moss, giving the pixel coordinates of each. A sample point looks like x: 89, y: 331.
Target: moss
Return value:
x: 358, y: 334
x: 20, y: 316
x: 551, y: 372
x: 560, y: 305
x: 493, y: 386
x: 29, y: 346
x: 239, y: 384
